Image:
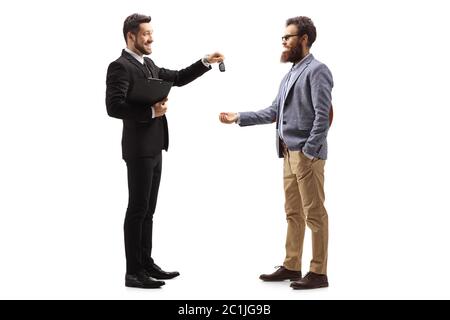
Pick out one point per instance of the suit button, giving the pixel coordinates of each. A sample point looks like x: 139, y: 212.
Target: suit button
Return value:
x: 284, y: 122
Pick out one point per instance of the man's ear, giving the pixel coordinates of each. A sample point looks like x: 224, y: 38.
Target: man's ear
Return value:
x: 304, y: 39
x: 131, y: 36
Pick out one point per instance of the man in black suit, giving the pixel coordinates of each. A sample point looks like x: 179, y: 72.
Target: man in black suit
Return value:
x: 145, y: 135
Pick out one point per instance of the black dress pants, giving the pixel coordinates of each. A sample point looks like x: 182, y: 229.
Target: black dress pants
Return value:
x: 144, y: 176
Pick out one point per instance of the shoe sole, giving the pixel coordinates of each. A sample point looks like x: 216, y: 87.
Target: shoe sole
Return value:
x: 163, y: 278
x: 325, y: 285
x: 279, y: 280
x: 132, y: 285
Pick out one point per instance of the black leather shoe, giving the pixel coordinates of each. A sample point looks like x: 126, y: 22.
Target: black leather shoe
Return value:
x: 141, y: 279
x: 156, y: 272
x: 282, y: 274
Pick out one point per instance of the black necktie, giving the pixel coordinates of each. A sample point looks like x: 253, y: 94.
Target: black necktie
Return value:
x: 148, y: 71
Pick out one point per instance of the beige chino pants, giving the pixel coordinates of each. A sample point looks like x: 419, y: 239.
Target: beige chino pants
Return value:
x: 304, y: 205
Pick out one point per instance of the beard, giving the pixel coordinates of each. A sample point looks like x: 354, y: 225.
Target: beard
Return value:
x: 292, y: 55
x: 140, y: 47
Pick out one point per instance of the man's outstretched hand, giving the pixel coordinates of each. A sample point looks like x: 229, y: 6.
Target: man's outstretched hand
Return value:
x: 215, y: 57
x: 228, y: 117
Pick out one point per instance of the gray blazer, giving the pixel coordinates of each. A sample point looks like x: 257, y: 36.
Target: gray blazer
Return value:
x: 306, y: 109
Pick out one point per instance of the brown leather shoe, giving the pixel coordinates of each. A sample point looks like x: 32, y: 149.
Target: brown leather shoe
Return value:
x: 282, y: 274
x: 311, y: 281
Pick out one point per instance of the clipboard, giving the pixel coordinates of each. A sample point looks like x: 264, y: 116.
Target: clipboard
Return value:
x: 149, y: 91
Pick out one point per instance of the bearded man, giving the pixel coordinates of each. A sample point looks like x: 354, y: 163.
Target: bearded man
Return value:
x: 302, y: 113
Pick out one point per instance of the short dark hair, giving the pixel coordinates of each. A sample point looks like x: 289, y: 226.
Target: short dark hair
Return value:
x: 304, y: 26
x: 132, y: 22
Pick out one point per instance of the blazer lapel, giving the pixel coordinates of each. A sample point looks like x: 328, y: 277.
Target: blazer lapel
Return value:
x: 297, y: 73
x: 134, y: 62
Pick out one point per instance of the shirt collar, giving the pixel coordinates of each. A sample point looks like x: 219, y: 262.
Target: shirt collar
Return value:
x: 136, y: 56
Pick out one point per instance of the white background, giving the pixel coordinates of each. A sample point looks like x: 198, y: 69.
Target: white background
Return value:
x: 220, y: 218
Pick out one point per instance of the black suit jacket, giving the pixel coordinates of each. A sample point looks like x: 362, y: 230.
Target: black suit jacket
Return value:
x: 142, y: 136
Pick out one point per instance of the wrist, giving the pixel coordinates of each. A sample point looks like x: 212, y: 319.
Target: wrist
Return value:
x: 205, y: 61
x: 310, y: 157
